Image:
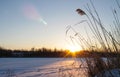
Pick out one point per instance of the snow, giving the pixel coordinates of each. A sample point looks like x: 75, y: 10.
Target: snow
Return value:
x: 110, y: 73
x: 40, y: 67
x: 48, y: 67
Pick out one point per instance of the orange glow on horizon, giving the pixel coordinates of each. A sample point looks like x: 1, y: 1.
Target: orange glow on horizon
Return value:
x: 73, y: 48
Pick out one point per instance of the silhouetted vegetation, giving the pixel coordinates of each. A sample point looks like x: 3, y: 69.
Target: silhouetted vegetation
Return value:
x: 106, y: 43
x: 44, y: 52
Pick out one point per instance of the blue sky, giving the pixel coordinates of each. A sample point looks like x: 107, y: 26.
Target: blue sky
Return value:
x: 21, y: 31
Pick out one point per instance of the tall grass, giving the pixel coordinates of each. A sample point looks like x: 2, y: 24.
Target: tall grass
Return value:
x: 108, y: 41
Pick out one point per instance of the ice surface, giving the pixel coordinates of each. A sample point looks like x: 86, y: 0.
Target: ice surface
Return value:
x: 109, y: 73
x: 40, y: 67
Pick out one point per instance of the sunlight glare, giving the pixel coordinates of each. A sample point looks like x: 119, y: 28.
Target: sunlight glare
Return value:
x: 73, y: 48
x: 32, y: 13
x: 43, y: 21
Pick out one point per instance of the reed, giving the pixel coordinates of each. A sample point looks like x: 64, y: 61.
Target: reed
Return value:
x: 107, y: 40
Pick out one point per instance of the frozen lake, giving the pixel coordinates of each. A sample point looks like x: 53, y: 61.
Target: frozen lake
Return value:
x: 41, y: 67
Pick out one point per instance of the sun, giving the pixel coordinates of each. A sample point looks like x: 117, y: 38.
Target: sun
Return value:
x: 73, y: 48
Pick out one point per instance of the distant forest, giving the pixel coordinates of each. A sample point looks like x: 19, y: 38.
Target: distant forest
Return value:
x: 43, y: 52
x: 55, y: 53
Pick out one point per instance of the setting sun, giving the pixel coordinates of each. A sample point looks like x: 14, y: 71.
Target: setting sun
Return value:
x: 73, y: 48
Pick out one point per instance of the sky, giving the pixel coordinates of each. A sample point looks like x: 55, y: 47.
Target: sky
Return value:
x: 42, y: 23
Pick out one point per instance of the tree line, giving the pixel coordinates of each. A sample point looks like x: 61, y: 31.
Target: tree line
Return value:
x: 43, y: 52
x: 53, y: 53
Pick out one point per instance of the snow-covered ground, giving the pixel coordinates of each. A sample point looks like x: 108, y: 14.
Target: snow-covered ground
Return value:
x: 41, y: 67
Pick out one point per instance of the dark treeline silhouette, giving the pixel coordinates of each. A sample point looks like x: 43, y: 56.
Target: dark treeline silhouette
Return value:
x: 44, y: 52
